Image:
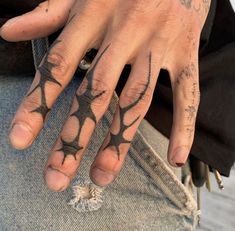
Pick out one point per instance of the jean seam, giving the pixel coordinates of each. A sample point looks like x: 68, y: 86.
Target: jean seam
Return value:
x: 155, y: 166
x: 39, y: 49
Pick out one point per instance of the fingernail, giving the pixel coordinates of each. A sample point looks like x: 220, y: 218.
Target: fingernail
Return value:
x: 21, y: 136
x: 56, y: 180
x: 180, y: 156
x: 101, y: 178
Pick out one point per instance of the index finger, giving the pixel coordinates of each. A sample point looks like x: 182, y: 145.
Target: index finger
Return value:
x: 54, y: 73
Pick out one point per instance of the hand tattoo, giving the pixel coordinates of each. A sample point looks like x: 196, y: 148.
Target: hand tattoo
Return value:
x: 117, y: 139
x: 191, y: 110
x: 186, y: 3
x: 198, y: 7
x: 83, y: 112
x: 187, y: 73
x: 45, y: 76
x: 190, y: 130
x: 195, y: 94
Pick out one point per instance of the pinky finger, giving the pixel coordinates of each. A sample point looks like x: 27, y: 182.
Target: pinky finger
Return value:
x: 186, y: 101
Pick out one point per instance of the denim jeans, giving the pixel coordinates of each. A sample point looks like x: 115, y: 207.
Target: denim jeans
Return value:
x: 147, y: 195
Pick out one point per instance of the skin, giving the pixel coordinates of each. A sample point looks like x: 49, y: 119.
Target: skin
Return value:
x: 149, y: 35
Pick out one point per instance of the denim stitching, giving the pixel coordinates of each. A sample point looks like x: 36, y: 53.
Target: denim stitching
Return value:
x: 39, y: 48
x: 168, y: 182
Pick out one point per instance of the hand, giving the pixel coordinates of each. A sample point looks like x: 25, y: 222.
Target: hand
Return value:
x: 148, y: 34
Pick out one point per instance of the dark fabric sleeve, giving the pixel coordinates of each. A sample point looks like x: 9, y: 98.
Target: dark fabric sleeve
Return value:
x: 13, y: 7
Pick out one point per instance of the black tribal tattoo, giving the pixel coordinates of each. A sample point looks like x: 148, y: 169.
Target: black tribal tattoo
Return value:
x: 45, y: 76
x: 117, y: 139
x: 83, y: 112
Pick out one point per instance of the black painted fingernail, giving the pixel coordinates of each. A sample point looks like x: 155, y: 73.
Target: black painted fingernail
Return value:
x: 180, y: 164
x: 179, y: 156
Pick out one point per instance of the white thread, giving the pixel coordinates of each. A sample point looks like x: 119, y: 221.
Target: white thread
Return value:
x: 87, y: 196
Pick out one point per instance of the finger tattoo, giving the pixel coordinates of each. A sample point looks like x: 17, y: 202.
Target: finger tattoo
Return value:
x: 190, y: 5
x: 191, y: 110
x: 186, y: 3
x: 45, y: 70
x: 188, y: 72
x: 117, y: 139
x: 83, y: 113
x: 190, y: 130
x: 195, y: 94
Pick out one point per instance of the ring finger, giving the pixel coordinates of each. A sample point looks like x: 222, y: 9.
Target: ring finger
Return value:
x: 133, y: 105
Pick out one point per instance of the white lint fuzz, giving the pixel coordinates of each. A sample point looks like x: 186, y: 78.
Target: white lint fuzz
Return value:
x: 86, y: 197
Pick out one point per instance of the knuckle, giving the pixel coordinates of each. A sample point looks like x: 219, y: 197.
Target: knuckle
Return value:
x: 98, y: 94
x: 56, y: 21
x: 185, y: 75
x: 59, y: 64
x: 140, y: 92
